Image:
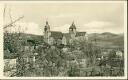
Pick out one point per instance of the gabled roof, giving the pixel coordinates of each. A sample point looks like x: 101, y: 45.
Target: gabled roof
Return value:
x: 80, y: 34
x: 56, y: 34
x: 68, y: 36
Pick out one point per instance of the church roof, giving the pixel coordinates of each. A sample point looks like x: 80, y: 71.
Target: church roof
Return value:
x: 80, y: 34
x: 56, y: 34
x: 72, y: 26
x: 67, y: 35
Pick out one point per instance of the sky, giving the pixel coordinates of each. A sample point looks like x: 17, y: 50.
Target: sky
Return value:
x: 89, y: 17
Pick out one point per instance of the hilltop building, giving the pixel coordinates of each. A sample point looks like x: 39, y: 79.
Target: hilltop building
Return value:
x: 56, y: 37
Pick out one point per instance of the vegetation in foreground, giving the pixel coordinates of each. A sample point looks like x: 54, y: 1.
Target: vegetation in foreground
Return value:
x: 81, y: 58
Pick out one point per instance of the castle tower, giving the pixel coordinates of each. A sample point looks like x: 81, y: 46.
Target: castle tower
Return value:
x: 47, y: 32
x: 72, y: 30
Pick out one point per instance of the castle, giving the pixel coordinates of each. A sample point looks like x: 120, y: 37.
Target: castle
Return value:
x: 56, y: 37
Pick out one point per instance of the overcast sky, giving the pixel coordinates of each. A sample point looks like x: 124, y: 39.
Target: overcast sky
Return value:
x: 89, y: 17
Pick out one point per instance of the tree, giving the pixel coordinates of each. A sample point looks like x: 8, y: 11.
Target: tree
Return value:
x: 12, y: 43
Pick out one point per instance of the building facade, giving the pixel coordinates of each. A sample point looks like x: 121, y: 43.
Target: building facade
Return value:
x: 56, y: 37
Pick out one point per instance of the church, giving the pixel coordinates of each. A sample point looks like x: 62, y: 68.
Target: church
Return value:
x: 56, y: 37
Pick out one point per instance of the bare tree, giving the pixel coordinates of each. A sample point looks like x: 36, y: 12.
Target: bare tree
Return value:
x: 14, y: 41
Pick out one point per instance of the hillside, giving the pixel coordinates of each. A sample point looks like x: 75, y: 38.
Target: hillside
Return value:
x: 107, y: 39
x: 25, y: 36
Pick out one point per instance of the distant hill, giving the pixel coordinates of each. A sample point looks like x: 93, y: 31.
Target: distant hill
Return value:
x: 108, y: 34
x: 107, y: 39
x: 26, y: 36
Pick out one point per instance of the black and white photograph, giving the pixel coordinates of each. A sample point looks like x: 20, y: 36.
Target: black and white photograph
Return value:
x: 64, y: 39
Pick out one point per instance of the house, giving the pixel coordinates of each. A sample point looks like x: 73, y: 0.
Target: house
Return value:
x: 56, y: 37
x: 119, y: 53
x: 9, y: 67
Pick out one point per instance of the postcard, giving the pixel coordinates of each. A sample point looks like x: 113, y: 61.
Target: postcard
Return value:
x: 63, y: 39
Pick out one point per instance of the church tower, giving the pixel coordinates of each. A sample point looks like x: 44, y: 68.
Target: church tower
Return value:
x: 47, y: 32
x: 72, y: 30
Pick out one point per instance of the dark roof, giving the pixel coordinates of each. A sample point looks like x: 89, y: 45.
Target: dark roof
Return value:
x: 56, y: 34
x: 67, y: 35
x: 80, y: 34
x: 72, y: 26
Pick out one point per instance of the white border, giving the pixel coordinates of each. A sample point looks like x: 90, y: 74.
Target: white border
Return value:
x: 1, y: 40
x: 125, y: 41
